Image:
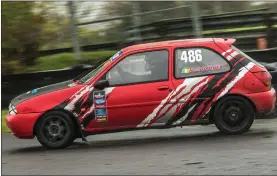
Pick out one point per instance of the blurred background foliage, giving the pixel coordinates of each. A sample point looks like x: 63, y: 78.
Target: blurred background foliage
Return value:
x: 28, y: 27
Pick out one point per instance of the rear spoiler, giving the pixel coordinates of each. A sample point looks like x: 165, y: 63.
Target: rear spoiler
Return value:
x: 227, y: 41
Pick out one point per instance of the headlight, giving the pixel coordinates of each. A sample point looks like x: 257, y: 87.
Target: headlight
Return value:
x: 12, y: 110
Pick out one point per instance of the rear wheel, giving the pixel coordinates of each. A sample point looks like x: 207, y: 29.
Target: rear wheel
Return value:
x: 55, y: 130
x: 234, y: 115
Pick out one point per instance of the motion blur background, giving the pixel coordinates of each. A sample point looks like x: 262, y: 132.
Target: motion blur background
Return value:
x: 74, y: 36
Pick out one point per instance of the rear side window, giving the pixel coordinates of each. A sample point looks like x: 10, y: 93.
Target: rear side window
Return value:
x: 190, y: 62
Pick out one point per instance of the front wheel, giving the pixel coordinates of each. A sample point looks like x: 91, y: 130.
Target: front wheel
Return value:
x: 234, y: 115
x: 55, y: 130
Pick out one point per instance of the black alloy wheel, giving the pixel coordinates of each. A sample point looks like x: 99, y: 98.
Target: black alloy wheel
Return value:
x: 55, y: 130
x: 234, y: 115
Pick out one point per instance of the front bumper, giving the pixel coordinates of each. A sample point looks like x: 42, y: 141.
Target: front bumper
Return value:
x: 22, y: 125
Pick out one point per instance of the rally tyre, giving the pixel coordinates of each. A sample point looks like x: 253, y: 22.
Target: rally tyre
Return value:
x: 55, y: 130
x: 234, y: 115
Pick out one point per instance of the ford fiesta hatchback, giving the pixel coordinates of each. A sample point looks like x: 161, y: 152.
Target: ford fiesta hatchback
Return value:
x: 154, y: 85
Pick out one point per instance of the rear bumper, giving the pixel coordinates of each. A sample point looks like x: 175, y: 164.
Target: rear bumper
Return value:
x: 267, y: 114
x: 21, y: 125
x: 265, y: 102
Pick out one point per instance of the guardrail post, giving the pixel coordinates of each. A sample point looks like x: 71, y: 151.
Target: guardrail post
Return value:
x: 136, y: 20
x: 217, y: 7
x: 74, y: 31
x: 197, y: 26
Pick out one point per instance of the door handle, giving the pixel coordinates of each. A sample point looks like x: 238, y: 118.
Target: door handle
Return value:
x: 163, y: 88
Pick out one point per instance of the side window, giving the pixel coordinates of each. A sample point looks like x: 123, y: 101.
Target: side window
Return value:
x: 139, y: 68
x: 198, y: 62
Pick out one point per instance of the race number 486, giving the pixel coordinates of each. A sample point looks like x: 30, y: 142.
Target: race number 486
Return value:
x: 192, y: 56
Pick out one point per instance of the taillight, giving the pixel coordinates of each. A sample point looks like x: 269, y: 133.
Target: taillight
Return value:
x: 264, y: 77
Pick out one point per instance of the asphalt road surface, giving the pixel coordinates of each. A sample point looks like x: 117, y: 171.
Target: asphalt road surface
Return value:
x: 188, y: 150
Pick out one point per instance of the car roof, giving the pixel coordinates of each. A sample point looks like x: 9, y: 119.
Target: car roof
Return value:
x: 228, y: 41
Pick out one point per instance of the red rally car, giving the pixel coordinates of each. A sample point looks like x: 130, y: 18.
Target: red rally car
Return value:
x: 154, y: 85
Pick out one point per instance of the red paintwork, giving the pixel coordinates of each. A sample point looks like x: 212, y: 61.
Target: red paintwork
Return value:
x: 133, y: 103
x: 128, y: 106
x: 46, y: 102
x: 260, y: 100
x: 22, y: 125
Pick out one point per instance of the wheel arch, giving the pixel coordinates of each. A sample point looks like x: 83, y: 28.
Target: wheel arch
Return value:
x: 226, y: 96
x: 73, y: 118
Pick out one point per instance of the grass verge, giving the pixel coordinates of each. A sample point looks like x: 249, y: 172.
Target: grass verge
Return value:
x: 241, y: 29
x: 5, y: 129
x: 60, y: 61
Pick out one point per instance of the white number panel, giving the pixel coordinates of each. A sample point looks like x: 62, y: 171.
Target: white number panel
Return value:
x: 192, y: 56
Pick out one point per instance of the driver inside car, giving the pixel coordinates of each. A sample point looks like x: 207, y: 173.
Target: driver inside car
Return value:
x: 139, y: 68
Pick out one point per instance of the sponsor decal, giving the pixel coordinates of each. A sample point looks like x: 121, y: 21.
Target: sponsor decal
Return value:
x: 192, y: 56
x: 101, y: 114
x: 201, y: 69
x: 116, y: 55
x: 99, y: 94
x: 100, y: 103
x: 186, y: 70
x: 34, y: 91
x: 107, y: 63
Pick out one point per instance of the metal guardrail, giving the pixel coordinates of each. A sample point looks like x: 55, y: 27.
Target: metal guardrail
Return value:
x: 213, y: 26
x: 177, y: 28
x: 102, y: 46
x: 131, y: 15
x: 257, y: 12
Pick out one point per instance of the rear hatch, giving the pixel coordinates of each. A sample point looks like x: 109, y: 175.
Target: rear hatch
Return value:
x: 259, y: 71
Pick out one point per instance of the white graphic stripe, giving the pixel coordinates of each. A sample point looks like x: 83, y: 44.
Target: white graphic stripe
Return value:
x: 77, y: 96
x: 166, y: 116
x: 108, y: 90
x: 189, y: 83
x: 241, y: 74
x: 232, y: 55
x: 192, y: 92
x: 229, y: 50
x: 207, y: 111
x: 154, y: 113
x: 184, y: 117
x: 243, y: 71
x: 88, y: 112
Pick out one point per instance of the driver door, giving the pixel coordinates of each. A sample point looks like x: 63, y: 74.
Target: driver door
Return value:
x: 138, y: 84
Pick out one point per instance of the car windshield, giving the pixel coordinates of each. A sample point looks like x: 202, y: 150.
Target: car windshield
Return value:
x: 98, y: 69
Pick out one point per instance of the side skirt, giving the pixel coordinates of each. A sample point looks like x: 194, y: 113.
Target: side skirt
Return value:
x: 154, y: 126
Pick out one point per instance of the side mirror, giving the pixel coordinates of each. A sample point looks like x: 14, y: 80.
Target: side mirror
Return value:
x: 102, y: 84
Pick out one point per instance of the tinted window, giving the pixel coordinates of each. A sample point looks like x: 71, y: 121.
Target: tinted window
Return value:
x: 197, y: 62
x: 139, y: 68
